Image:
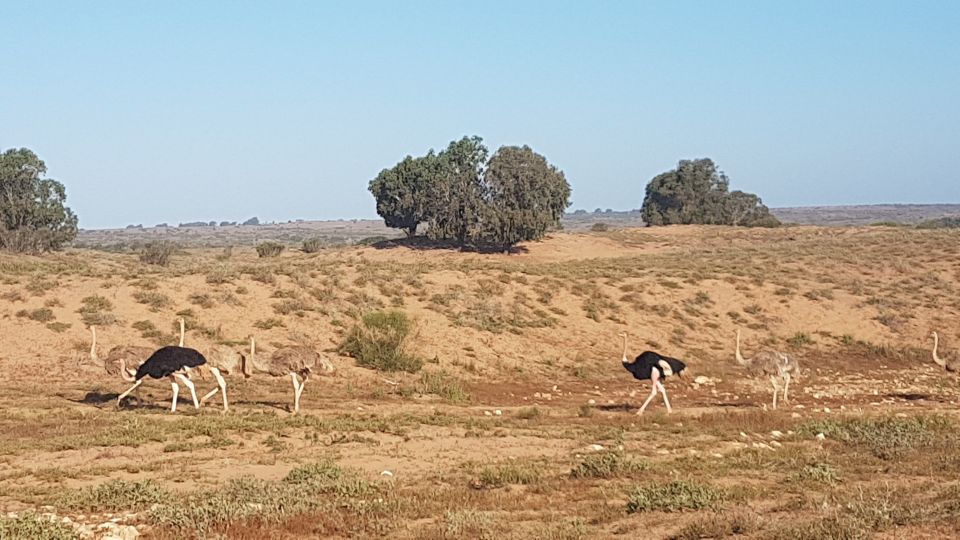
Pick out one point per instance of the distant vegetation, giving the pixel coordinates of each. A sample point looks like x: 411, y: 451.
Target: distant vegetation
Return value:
x: 941, y: 223
x: 33, y: 214
x: 464, y: 196
x: 696, y: 192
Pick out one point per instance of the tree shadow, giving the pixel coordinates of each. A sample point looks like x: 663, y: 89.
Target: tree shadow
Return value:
x: 422, y: 243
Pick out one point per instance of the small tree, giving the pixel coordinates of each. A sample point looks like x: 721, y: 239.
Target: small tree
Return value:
x: 252, y: 221
x: 524, y: 196
x: 697, y: 192
x: 269, y: 249
x: 404, y: 192
x: 33, y: 212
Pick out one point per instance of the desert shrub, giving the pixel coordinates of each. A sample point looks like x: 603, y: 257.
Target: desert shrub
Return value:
x: 513, y: 473
x: 817, y: 472
x: 220, y: 275
x: 158, y: 252
x: 600, y: 227
x: 116, y: 495
x: 95, y: 311
x: 156, y: 300
x: 312, y: 245
x: 722, y: 525
x: 59, y: 327
x: 608, y: 465
x: 888, y: 437
x: 268, y: 323
x: 38, y: 286
x: 674, y: 497
x: 441, y: 383
x: 379, y: 341
x: 269, y: 249
x: 203, y: 300
x: 33, y: 527
x: 39, y: 315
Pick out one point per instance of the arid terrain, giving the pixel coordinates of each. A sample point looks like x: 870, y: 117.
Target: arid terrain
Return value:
x: 521, y: 423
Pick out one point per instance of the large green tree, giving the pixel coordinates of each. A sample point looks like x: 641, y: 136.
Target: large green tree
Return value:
x: 457, y: 202
x: 33, y: 212
x: 525, y: 196
x: 404, y: 192
x: 697, y: 192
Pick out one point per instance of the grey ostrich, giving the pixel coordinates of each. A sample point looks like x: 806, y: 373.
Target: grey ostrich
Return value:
x: 130, y: 355
x: 223, y: 360
x: 297, y: 361
x: 774, y: 364
x: 950, y: 364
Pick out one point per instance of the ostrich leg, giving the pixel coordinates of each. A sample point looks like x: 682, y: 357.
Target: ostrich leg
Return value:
x: 664, y: 392
x: 654, y: 381
x: 176, y: 394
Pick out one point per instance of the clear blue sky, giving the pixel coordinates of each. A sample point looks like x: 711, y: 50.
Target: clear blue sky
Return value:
x: 181, y: 111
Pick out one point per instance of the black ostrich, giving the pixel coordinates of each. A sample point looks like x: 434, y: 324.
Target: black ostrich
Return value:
x: 172, y: 362
x: 653, y: 367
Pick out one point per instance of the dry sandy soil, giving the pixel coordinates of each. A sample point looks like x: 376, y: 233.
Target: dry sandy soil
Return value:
x: 521, y: 423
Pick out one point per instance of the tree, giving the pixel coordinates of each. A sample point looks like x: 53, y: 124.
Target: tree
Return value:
x: 404, y: 192
x: 524, y: 196
x: 455, y: 207
x: 252, y: 221
x: 33, y: 212
x: 697, y: 192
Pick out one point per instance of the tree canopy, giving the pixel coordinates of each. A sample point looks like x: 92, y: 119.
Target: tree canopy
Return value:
x: 403, y: 192
x: 33, y: 212
x: 465, y: 196
x: 696, y: 192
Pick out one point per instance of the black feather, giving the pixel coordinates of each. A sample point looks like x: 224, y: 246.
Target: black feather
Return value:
x: 168, y: 360
x: 643, y: 366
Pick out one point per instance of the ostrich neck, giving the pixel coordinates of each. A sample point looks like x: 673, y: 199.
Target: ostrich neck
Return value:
x: 936, y: 357
x: 93, y: 344
x: 740, y: 359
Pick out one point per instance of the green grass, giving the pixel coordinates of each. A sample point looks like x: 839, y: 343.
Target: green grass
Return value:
x: 379, y: 341
x: 889, y: 437
x: 503, y: 474
x: 116, y: 496
x: 608, y: 465
x: 674, y: 496
x: 32, y: 527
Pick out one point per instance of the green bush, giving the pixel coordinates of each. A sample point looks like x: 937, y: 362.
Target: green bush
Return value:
x: 379, y: 341
x: 269, y: 249
x: 674, y: 497
x: 157, y: 253
x: 33, y: 527
x: 39, y: 315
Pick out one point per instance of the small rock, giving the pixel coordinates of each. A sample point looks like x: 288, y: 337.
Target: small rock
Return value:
x: 591, y: 402
x: 826, y: 410
x: 776, y: 434
x: 487, y: 413
x: 775, y: 444
x: 595, y: 448
x: 717, y: 455
x: 538, y: 395
x: 821, y: 437
x: 743, y: 435
x: 554, y: 388
x: 498, y: 412
x: 386, y: 473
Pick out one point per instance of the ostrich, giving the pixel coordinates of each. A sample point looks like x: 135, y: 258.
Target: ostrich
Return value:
x: 774, y: 364
x: 952, y: 365
x: 298, y: 362
x: 222, y: 360
x: 652, y: 366
x: 173, y: 362
x: 131, y: 355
